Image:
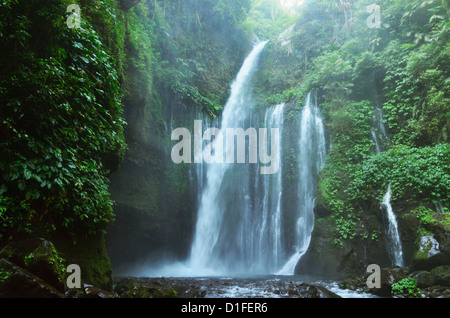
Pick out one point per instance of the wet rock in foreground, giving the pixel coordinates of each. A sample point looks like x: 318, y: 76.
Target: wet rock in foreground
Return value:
x: 130, y: 287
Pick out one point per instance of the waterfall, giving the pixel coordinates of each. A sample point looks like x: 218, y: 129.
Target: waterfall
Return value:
x: 395, y: 245
x: 223, y: 239
x: 240, y: 226
x: 378, y: 132
x: 199, y: 170
x: 375, y: 140
x: 270, y: 234
x: 311, y: 158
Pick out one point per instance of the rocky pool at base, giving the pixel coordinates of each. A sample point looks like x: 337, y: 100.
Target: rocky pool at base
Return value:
x: 235, y: 287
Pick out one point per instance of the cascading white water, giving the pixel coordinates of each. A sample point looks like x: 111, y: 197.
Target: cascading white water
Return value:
x: 199, y: 170
x: 375, y: 140
x: 239, y: 226
x: 311, y: 158
x: 378, y: 132
x: 208, y: 244
x: 270, y: 239
x: 395, y: 244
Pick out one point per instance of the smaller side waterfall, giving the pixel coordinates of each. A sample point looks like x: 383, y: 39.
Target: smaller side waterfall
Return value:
x: 378, y: 132
x: 377, y: 143
x: 393, y: 242
x: 393, y: 239
x: 311, y: 158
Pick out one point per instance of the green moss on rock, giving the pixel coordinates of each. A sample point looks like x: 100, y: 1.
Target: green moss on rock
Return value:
x: 17, y: 282
x: 89, y: 252
x: 39, y: 257
x: 130, y: 288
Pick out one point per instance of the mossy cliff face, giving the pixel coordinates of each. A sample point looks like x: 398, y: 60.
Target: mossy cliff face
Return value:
x: 336, y: 250
x: 195, y: 54
x: 88, y: 252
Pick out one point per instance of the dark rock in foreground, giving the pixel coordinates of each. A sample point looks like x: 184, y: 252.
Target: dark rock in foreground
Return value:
x: 130, y: 287
x: 39, y: 257
x: 16, y: 282
x: 320, y: 292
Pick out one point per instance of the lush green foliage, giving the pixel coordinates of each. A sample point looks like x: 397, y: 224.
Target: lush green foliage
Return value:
x: 416, y: 113
x: 4, y: 275
x: 428, y: 216
x: 350, y: 124
x: 268, y: 19
x: 401, y: 68
x: 423, y: 173
x: 287, y: 71
x: 406, y: 286
x: 418, y: 102
x: 194, y: 41
x: 61, y: 129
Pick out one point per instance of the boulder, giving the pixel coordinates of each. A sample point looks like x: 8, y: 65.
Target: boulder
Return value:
x: 94, y: 292
x: 16, y: 282
x: 145, y: 288
x: 325, y: 258
x: 439, y: 276
x: 436, y: 292
x: 39, y: 257
x: 320, y: 292
x: 432, y: 248
x: 320, y: 211
x: 388, y: 277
